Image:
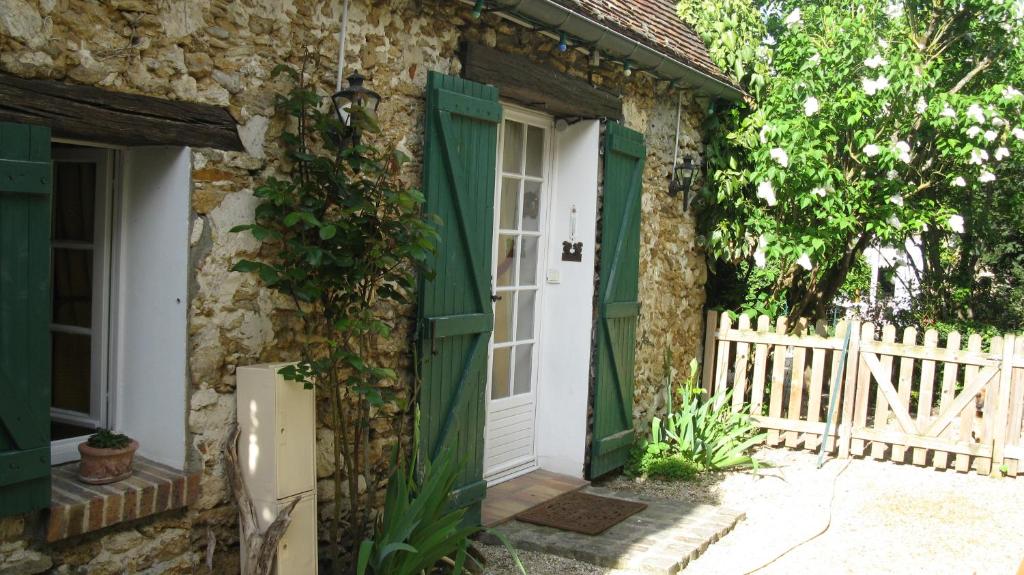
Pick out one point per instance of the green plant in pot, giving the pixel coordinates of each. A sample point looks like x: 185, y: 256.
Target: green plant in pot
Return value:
x: 106, y: 457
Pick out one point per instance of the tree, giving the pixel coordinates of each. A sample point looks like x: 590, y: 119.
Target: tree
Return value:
x: 344, y: 239
x: 868, y: 122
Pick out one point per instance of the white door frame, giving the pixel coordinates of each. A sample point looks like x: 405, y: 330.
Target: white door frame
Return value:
x: 510, y: 469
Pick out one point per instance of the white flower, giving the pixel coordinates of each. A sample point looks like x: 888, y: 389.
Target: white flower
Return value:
x: 759, y: 257
x: 1002, y: 152
x: 871, y: 87
x: 766, y: 193
x: 1018, y: 133
x: 897, y: 199
x: 978, y: 157
x: 894, y: 10
x: 1011, y: 93
x: 811, y: 106
x: 986, y: 177
x: 975, y: 113
x: 894, y: 222
x: 892, y: 174
x: 998, y: 122
x: 921, y: 106
x: 793, y: 19
x: 883, y: 44
x: 948, y: 112
x: 871, y: 150
x: 990, y: 135
x: 904, y: 151
x: 959, y: 182
x: 820, y: 192
x: 875, y: 61
x: 763, y: 134
x: 973, y: 131
x: 780, y: 156
x: 805, y: 262
x: 816, y: 58
x: 956, y: 223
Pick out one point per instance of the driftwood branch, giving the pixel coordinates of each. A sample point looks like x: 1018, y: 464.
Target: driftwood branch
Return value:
x: 259, y: 548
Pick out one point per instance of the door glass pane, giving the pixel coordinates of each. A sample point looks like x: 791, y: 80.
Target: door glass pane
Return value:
x: 506, y: 260
x: 503, y: 317
x: 72, y: 287
x: 508, y: 214
x: 535, y: 152
x: 528, y: 263
x: 500, y: 373
x: 524, y: 368
x: 512, y: 148
x: 74, y: 201
x: 531, y: 206
x: 72, y: 371
x: 524, y: 322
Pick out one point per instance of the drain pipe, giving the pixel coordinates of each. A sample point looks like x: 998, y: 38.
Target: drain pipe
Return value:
x: 342, y: 36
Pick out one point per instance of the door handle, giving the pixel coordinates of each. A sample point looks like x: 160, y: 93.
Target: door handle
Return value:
x: 495, y: 297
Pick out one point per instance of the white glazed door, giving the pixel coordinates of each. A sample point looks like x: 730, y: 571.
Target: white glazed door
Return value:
x: 523, y: 191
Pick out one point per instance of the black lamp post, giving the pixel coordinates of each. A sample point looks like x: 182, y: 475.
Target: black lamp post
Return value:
x: 355, y: 95
x: 682, y: 180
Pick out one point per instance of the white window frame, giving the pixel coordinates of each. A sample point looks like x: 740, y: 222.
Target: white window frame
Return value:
x: 100, y: 332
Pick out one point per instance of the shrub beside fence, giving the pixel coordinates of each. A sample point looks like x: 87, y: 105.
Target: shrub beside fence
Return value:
x: 906, y: 400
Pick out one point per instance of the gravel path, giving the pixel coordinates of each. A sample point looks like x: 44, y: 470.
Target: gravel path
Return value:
x: 886, y: 518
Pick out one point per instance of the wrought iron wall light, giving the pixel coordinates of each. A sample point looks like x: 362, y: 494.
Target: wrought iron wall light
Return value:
x: 356, y: 95
x: 682, y: 180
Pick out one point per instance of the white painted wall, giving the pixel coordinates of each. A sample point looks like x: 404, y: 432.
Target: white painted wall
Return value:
x: 568, y: 305
x: 152, y: 288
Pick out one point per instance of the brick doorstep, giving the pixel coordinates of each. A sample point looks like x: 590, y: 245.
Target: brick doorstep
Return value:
x: 78, y: 508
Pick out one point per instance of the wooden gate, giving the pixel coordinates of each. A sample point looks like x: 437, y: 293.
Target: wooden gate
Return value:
x: 909, y: 401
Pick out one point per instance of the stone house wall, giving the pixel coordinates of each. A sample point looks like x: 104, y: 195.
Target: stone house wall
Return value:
x: 221, y: 52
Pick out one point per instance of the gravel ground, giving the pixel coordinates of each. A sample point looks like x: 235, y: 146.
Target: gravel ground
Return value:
x: 886, y: 518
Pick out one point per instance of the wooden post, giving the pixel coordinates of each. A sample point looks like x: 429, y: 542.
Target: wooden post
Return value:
x: 1016, y: 406
x: 878, y: 448
x: 860, y: 408
x: 849, y: 388
x: 963, y: 461
x: 722, y: 362
x: 796, y: 384
x: 778, y: 381
x: 812, y: 441
x: 708, y: 367
x: 949, y: 372
x: 926, y: 395
x: 739, y: 388
x: 760, y: 368
x: 1002, y: 422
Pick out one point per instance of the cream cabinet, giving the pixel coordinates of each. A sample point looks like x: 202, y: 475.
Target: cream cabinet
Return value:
x: 277, y: 452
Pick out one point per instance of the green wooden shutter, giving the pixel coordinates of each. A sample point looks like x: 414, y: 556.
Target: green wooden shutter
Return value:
x: 619, y: 309
x: 25, y: 183
x: 455, y: 314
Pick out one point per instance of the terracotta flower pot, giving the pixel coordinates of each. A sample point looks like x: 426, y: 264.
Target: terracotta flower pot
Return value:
x: 100, y: 465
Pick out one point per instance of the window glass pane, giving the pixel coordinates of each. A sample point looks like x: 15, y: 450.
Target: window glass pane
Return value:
x: 524, y: 368
x: 503, y: 317
x: 528, y: 263
x: 531, y: 206
x: 72, y: 287
x: 512, y: 148
x: 506, y: 260
x: 535, y: 151
x: 72, y: 371
x: 500, y: 373
x: 524, y: 322
x: 508, y: 215
x: 74, y: 201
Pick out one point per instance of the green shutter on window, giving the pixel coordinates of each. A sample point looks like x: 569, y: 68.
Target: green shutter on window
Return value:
x: 25, y: 184
x: 619, y: 307
x: 455, y: 314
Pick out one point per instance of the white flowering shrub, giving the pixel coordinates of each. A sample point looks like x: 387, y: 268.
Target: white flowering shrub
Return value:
x: 868, y: 122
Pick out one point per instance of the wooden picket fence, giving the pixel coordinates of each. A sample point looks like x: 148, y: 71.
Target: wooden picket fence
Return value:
x: 908, y: 401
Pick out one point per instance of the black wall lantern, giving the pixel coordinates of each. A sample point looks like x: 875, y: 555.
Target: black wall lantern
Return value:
x: 682, y: 180
x: 357, y: 95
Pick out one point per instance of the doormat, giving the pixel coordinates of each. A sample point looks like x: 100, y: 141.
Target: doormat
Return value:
x: 581, y: 512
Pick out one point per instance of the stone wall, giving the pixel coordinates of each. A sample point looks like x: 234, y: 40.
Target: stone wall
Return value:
x: 221, y: 52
